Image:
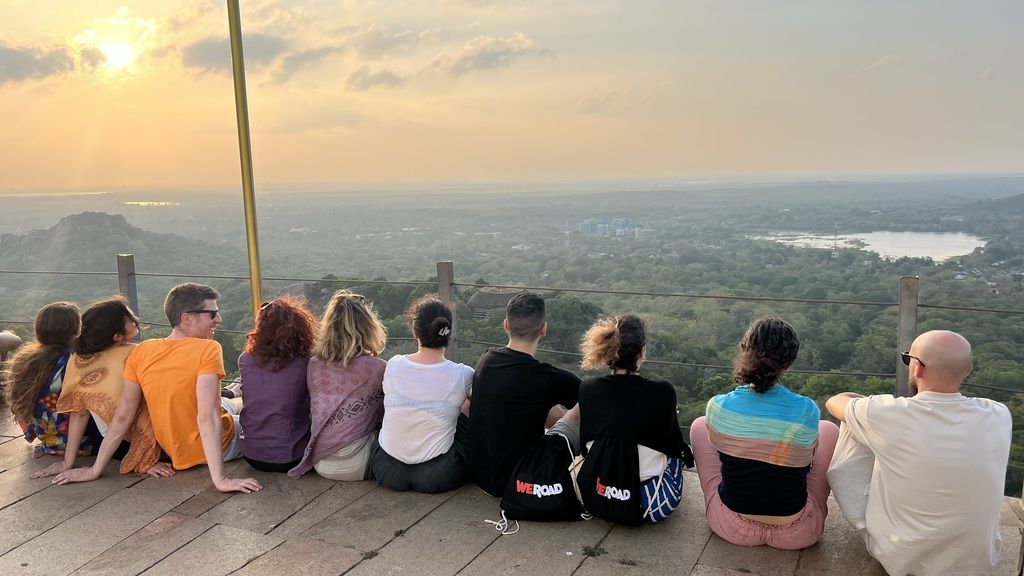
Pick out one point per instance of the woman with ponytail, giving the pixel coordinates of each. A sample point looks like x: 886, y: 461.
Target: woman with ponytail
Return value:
x: 35, y: 375
x: 637, y: 414
x: 762, y: 451
x: 422, y: 444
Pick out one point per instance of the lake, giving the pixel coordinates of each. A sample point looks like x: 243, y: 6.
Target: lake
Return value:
x: 938, y: 246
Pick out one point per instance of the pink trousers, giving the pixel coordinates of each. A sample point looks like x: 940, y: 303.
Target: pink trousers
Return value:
x: 731, y: 527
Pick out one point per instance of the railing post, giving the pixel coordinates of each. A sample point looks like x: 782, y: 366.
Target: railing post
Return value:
x: 446, y: 292
x: 126, y: 283
x: 906, y: 330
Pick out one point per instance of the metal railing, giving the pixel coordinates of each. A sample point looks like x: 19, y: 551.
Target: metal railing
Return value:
x: 907, y: 320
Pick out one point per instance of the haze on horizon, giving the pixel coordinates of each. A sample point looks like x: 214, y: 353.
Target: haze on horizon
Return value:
x: 100, y: 94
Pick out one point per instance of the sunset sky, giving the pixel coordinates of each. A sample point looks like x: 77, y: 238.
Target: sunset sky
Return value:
x: 96, y: 94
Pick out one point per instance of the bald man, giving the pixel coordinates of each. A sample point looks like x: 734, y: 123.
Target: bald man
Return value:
x: 9, y: 341
x: 922, y: 477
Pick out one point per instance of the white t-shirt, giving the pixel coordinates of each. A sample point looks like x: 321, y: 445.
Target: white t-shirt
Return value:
x: 421, y: 405
x: 937, y: 485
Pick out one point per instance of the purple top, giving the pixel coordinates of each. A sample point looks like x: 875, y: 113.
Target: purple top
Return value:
x: 346, y: 404
x: 275, y: 412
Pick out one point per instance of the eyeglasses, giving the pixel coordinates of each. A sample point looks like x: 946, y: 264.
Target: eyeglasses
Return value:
x: 213, y: 313
x: 906, y: 356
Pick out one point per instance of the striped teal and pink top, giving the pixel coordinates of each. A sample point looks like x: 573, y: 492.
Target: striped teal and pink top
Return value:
x: 778, y: 427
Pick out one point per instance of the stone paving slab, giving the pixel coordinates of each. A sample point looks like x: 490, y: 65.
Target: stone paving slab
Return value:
x: 304, y: 556
x: 16, y: 453
x: 47, y: 508
x: 371, y: 521
x: 263, y: 511
x: 8, y: 427
x: 840, y: 549
x: 705, y: 570
x: 218, y: 551
x: 85, y: 535
x: 17, y: 483
x: 209, y: 498
x: 454, y: 534
x: 760, y: 560
x: 323, y: 506
x: 146, y: 547
x: 671, y: 547
x: 556, y: 548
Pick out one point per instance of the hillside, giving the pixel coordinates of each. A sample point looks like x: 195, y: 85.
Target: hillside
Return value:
x: 89, y: 241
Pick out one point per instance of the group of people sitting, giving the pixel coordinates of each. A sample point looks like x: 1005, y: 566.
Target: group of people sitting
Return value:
x: 921, y: 477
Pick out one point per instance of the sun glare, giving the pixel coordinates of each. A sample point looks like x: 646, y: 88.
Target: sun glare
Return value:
x: 119, y: 55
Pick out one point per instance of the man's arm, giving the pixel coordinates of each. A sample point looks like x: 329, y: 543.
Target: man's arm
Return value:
x: 208, y: 420
x: 837, y: 404
x: 124, y: 415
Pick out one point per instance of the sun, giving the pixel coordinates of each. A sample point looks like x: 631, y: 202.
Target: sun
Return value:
x: 119, y: 55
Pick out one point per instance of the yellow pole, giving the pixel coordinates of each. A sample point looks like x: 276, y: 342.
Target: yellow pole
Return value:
x: 245, y: 154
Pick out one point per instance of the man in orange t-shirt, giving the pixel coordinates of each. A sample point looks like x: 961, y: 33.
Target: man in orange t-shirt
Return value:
x: 179, y: 377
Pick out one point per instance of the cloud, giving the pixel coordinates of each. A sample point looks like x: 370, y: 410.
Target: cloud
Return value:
x: 19, y: 63
x: 284, y: 17
x: 986, y: 74
x: 214, y: 54
x: 91, y: 57
x: 363, y: 79
x: 608, y: 103
x: 298, y: 61
x: 485, y: 52
x: 883, y: 61
x: 376, y: 41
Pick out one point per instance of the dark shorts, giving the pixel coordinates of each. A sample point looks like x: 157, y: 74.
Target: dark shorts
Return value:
x: 439, y: 474
x: 271, y: 466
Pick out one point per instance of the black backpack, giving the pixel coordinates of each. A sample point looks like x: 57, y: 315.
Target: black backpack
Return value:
x: 609, y: 481
x: 541, y: 487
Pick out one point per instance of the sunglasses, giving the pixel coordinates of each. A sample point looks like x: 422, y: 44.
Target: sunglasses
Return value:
x: 906, y: 356
x: 213, y: 313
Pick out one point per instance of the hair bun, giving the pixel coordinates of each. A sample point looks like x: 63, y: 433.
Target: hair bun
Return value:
x: 441, y: 326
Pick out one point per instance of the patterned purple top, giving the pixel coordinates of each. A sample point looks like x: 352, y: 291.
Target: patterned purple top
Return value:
x: 275, y: 413
x: 346, y: 404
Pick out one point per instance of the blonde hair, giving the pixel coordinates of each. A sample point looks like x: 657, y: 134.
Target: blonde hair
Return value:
x: 614, y: 342
x: 349, y: 328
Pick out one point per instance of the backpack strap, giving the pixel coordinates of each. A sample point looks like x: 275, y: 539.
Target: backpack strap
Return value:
x: 687, y: 456
x: 574, y: 470
x: 503, y: 525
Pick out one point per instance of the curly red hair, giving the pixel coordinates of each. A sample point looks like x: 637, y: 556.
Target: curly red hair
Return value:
x: 284, y: 331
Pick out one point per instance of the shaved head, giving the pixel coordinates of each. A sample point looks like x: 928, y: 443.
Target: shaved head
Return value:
x: 946, y: 360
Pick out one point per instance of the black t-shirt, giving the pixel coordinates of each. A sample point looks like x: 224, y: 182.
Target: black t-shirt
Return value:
x: 633, y: 408
x: 512, y: 395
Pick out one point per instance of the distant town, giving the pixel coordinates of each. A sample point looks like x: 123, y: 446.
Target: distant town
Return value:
x: 615, y: 228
